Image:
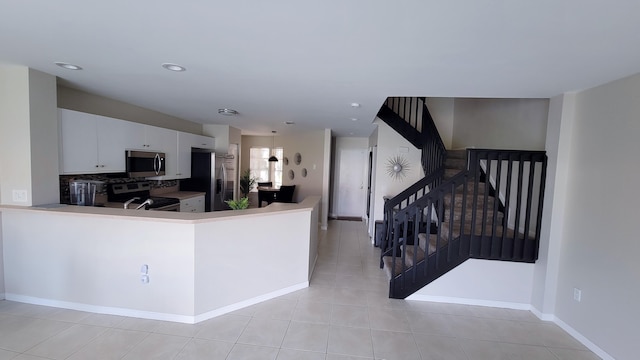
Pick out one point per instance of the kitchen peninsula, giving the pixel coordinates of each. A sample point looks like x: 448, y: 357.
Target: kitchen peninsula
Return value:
x: 174, y: 266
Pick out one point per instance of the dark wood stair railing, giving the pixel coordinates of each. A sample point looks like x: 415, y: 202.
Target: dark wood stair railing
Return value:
x: 468, y: 220
x: 491, y: 209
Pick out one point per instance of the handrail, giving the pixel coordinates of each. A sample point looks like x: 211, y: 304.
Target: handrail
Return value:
x: 413, y: 112
x: 410, y: 117
x: 470, y: 222
x: 490, y: 210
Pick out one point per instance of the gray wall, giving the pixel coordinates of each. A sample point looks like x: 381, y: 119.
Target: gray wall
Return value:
x: 600, y: 247
x: 500, y: 123
x: 1, y: 263
x: 73, y: 99
x: 28, y: 136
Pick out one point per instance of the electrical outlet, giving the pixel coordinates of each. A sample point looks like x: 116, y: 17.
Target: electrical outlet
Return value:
x: 144, y: 279
x: 19, y: 195
x: 577, y: 294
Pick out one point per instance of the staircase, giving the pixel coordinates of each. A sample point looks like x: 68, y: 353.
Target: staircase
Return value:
x: 473, y: 203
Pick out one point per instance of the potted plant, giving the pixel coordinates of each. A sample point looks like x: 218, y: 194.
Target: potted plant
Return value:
x: 238, y: 204
x: 247, y: 181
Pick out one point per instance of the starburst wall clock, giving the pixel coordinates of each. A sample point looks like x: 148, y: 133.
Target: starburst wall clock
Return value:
x: 397, y: 167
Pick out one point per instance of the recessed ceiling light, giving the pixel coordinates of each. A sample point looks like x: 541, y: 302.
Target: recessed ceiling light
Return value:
x: 289, y: 122
x: 355, y: 105
x: 227, y: 112
x: 174, y: 67
x: 354, y: 119
x: 68, y: 66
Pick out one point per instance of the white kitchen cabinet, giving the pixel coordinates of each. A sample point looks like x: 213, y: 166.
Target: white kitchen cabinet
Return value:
x: 93, y: 143
x: 186, y: 142
x: 193, y: 204
x: 160, y: 139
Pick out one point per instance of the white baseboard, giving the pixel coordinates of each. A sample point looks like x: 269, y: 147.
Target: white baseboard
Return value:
x: 586, y: 342
x: 101, y: 309
x: 542, y: 316
x: 465, y: 301
x: 249, y: 302
x: 185, y: 319
x: 518, y: 306
x: 313, y: 267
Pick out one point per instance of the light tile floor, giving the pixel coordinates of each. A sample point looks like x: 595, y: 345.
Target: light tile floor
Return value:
x: 344, y: 314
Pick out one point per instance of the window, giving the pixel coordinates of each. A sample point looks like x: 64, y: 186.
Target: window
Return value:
x: 264, y: 170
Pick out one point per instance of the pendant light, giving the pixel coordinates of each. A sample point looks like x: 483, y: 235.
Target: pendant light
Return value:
x: 273, y: 158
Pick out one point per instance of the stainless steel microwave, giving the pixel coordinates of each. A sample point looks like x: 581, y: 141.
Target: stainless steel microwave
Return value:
x: 145, y: 163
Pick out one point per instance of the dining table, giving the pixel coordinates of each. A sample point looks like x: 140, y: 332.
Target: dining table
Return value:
x: 267, y: 193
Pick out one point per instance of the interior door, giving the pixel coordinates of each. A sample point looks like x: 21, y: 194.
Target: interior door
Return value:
x: 352, y: 171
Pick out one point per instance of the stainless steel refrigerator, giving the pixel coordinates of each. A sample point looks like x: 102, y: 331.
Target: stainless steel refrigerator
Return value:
x: 214, y: 175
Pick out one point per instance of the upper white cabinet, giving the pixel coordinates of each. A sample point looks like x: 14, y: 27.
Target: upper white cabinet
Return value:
x: 93, y: 143
x: 166, y: 141
x: 159, y: 139
x: 186, y: 141
x: 97, y: 144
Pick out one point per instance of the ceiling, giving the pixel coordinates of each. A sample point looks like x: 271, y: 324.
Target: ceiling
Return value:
x: 307, y: 61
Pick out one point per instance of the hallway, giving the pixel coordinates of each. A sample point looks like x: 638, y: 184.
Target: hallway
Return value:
x: 344, y: 314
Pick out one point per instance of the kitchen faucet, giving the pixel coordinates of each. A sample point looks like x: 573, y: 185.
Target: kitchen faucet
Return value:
x: 146, y: 202
x: 126, y: 204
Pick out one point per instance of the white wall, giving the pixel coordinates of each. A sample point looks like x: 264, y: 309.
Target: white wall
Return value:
x: 43, y: 116
x: 28, y: 133
x: 500, y: 123
x: 96, y: 261
x: 482, y: 282
x: 15, y: 140
x: 90, y: 259
x: 390, y: 144
x: 599, y: 245
x: 443, y: 114
x: 1, y: 262
x: 73, y: 99
x: 234, y: 265
x: 558, y: 143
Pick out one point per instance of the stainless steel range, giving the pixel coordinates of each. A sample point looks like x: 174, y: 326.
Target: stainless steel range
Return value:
x: 136, y: 195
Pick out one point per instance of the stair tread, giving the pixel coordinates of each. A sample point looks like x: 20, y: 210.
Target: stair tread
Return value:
x: 388, y: 264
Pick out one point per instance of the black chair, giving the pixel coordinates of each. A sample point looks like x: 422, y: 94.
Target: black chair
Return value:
x: 265, y: 195
x: 285, y: 195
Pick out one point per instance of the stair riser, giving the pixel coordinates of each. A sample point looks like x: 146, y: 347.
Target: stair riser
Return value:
x: 457, y: 154
x: 457, y: 216
x: 470, y: 201
x: 453, y: 163
x: 455, y: 232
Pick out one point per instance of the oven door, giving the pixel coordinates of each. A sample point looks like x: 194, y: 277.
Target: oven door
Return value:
x: 145, y: 163
x: 172, y: 207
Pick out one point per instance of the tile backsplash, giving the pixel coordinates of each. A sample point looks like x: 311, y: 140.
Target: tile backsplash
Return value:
x: 65, y: 198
